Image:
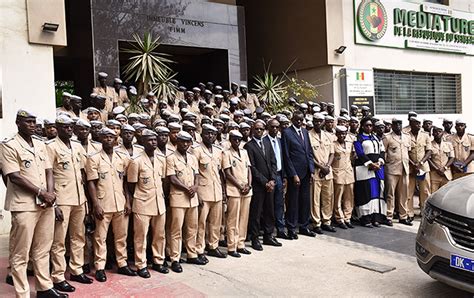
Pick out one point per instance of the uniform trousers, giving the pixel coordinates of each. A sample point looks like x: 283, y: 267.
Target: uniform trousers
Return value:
x: 279, y: 204
x: 458, y: 175
x: 119, y: 223
x: 437, y: 181
x: 184, y: 227
x: 261, y: 211
x: 425, y: 191
x: 237, y: 221
x: 141, y: 225
x: 210, y: 218
x: 298, y: 204
x: 74, y: 224
x: 397, y: 194
x: 31, y: 231
x: 323, y: 202
x: 343, y: 202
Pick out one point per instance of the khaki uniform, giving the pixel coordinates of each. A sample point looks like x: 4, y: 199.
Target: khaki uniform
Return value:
x: 63, y: 110
x: 170, y: 148
x: 210, y: 195
x: 440, y: 155
x: 137, y: 150
x: 397, y: 168
x: 111, y: 198
x: 148, y: 206
x: 238, y: 205
x: 70, y: 198
x: 343, y: 181
x: 184, y: 209
x: 250, y: 102
x: 322, y: 188
x: 110, y: 94
x: 351, y: 137
x: 462, y: 149
x: 31, y: 232
x: 122, y: 97
x: 419, y: 146
x: 92, y: 147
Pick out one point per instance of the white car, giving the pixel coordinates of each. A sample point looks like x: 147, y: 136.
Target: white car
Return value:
x: 445, y: 240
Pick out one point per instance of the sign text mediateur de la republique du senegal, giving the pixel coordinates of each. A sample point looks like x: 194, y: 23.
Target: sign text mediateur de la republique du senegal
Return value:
x: 425, y: 25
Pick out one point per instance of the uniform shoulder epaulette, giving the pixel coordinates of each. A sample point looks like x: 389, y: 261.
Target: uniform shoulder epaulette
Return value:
x: 92, y: 154
x: 6, y: 140
x: 135, y: 156
x: 119, y: 151
x: 47, y: 142
x: 195, y: 145
x: 95, y: 142
x: 38, y: 138
x: 218, y: 146
x: 404, y: 132
x: 76, y: 141
x: 138, y: 146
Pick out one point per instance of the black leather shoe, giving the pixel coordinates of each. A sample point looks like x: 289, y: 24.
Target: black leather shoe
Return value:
x: 50, y: 294
x: 411, y: 218
x: 125, y: 270
x: 388, y: 222
x: 244, y: 251
x: 271, y: 241
x: 342, y: 226
x: 86, y: 268
x: 284, y: 235
x: 233, y: 254
x: 376, y: 224
x: 144, y: 273
x: 216, y: 253
x: 176, y: 267
x: 307, y: 232
x: 318, y: 230
x: 328, y: 228
x: 405, y: 222
x: 160, y: 268
x: 9, y: 280
x: 222, y: 243
x: 292, y: 235
x: 257, y: 245
x: 64, y: 286
x: 195, y: 261
x: 100, y: 276
x: 203, y: 258
x: 349, y: 225
x: 81, y: 278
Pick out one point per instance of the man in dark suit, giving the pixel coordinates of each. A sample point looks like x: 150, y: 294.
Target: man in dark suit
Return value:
x: 273, y: 128
x: 264, y: 173
x: 299, y: 166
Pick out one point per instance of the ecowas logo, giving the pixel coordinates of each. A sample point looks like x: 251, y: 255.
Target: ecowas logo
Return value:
x: 372, y: 19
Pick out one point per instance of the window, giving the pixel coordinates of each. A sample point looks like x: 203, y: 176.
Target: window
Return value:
x: 398, y: 92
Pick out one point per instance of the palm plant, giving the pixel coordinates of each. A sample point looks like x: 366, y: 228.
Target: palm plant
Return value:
x: 146, y: 64
x: 270, y: 90
x: 163, y: 88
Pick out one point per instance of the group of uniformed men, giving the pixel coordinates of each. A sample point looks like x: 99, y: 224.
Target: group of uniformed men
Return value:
x: 186, y: 179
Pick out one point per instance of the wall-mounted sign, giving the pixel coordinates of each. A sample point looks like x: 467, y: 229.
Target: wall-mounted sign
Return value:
x: 357, y: 88
x: 400, y: 24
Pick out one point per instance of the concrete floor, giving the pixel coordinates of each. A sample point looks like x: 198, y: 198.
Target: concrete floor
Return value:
x: 304, y: 267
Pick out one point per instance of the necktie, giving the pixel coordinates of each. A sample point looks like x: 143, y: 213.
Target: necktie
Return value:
x: 301, y: 135
x: 260, y: 142
x: 276, y: 149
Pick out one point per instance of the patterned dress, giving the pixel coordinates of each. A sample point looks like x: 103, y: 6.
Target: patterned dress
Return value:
x: 370, y: 202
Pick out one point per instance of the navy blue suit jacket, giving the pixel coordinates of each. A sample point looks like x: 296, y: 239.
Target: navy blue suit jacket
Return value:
x: 297, y: 156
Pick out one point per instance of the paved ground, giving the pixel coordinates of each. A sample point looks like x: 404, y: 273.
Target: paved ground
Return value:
x: 304, y: 267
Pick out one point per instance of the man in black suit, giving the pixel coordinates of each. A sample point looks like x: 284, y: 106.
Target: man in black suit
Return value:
x: 299, y: 166
x: 273, y: 128
x: 264, y: 173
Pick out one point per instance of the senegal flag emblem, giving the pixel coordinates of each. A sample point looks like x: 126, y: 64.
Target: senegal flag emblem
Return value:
x: 372, y: 19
